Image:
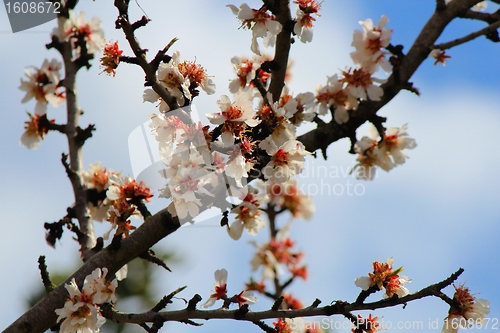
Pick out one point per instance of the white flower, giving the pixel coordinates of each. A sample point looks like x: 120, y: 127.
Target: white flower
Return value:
x: 304, y: 19
x: 469, y: 310
x: 245, y: 72
x: 395, y: 140
x: 42, y: 85
x: 262, y: 24
x: 220, y: 287
x: 384, y: 276
x: 237, y: 166
x: 102, y: 290
x: 334, y: 94
x: 360, y: 84
x: 286, y: 161
x: 246, y: 297
x: 235, y: 116
x: 35, y: 130
x: 80, y: 313
x: 74, y: 27
x: 370, y: 43
x: 172, y: 80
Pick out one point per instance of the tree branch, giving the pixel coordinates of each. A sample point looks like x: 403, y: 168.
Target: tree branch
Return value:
x: 338, y: 308
x: 485, y: 31
x: 42, y: 315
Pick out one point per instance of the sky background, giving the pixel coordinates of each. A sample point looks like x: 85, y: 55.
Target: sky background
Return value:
x: 436, y: 213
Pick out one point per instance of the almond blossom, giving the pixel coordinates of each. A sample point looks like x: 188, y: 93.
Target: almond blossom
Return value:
x: 111, y: 58
x: 262, y: 24
x: 173, y: 81
x: 359, y: 82
x: 288, y: 195
x: 81, y: 312
x: 384, y: 276
x: 395, y: 140
x: 286, y: 161
x: 245, y: 72
x: 304, y: 19
x: 369, y: 45
x: 276, y: 253
x: 96, y: 179
x: 43, y: 86
x: 386, y: 153
x: 187, y: 178
x: 440, y: 56
x: 35, y: 129
x: 248, y: 213
x: 76, y: 28
x: 220, y: 287
x: 235, y: 116
x: 334, y: 94
x: 467, y: 312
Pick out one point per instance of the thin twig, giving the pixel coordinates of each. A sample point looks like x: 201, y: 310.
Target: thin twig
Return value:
x: 485, y: 31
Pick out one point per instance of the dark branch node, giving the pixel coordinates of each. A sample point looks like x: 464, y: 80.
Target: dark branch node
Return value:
x: 316, y: 302
x: 241, y: 312
x: 277, y: 303
x: 140, y: 23
x: 190, y: 322
x: 263, y: 326
x: 83, y: 134
x: 493, y: 36
x: 150, y: 256
x: 193, y: 302
x: 47, y: 283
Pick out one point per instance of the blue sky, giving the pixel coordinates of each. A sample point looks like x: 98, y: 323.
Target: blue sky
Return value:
x: 436, y: 213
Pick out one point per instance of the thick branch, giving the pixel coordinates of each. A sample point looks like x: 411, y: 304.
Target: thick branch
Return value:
x: 87, y: 241
x: 283, y: 42
x: 325, y: 134
x: 42, y: 315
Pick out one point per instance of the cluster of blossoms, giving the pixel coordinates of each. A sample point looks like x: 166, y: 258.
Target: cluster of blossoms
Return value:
x: 181, y: 80
x: 386, y: 153
x: 43, y: 85
x: 81, y: 312
x: 342, y: 94
x: 84, y: 36
x: 287, y: 195
x: 384, y: 276
x: 114, y: 198
x: 467, y: 311
x: 304, y: 19
x: 220, y: 292
x: 275, y: 254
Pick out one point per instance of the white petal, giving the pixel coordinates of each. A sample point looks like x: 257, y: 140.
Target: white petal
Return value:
x: 235, y: 230
x: 363, y: 282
